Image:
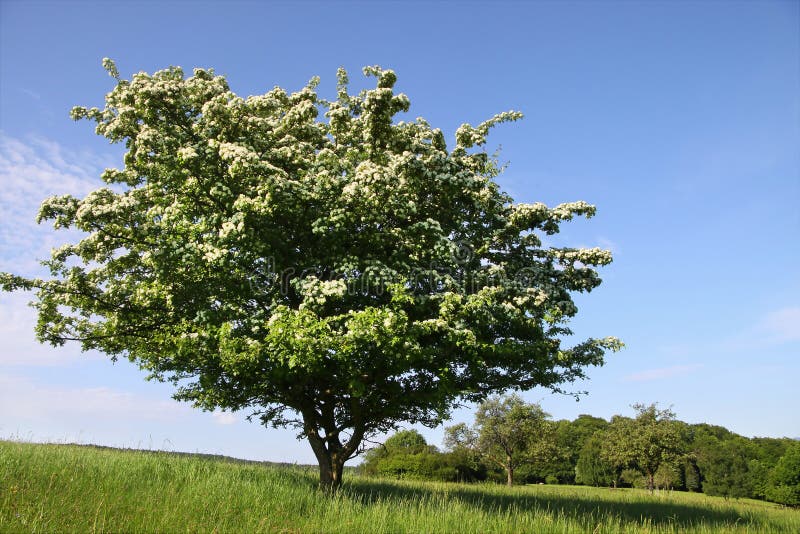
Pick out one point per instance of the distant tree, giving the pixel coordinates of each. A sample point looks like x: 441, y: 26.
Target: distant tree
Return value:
x: 570, y: 438
x: 646, y: 442
x: 758, y: 479
x: 406, y: 454
x: 339, y: 275
x: 691, y: 474
x: 461, y: 443
x: 784, y: 484
x: 769, y: 450
x: 408, y: 441
x: 669, y: 476
x: 724, y: 466
x: 403, y: 442
x: 508, y: 432
x: 591, y: 468
x: 617, y: 450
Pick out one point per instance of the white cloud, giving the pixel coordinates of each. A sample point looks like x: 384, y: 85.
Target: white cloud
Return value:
x: 782, y: 325
x: 664, y: 372
x: 224, y: 418
x: 23, y: 399
x: 608, y: 244
x: 18, y: 345
x: 30, y: 171
x: 33, y: 94
x: 772, y: 329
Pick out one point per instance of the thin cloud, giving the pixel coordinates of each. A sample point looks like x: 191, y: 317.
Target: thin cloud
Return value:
x: 224, y: 418
x: 773, y: 329
x: 33, y: 94
x: 662, y: 373
x: 18, y: 345
x: 22, y: 398
x: 608, y: 244
x: 31, y: 170
x: 781, y: 326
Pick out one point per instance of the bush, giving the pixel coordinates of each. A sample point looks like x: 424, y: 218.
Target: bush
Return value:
x: 784, y: 485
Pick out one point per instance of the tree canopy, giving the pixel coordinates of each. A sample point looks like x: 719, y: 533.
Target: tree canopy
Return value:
x: 317, y: 262
x: 508, y: 432
x: 647, y: 442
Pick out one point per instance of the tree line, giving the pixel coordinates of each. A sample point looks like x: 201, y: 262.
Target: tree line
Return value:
x: 515, y: 442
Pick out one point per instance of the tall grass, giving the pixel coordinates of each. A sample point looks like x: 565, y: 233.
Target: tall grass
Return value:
x: 67, y: 488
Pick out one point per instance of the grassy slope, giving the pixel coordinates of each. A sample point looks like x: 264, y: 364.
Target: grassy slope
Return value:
x: 67, y: 488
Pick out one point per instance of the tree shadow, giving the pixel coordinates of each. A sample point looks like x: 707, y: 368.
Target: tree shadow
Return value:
x: 585, y: 509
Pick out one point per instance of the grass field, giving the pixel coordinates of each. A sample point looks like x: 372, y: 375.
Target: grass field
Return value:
x: 69, y: 488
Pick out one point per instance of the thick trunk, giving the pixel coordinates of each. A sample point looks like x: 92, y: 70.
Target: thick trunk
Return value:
x: 651, y: 482
x: 509, y: 472
x: 330, y: 474
x: 331, y: 464
x: 331, y: 453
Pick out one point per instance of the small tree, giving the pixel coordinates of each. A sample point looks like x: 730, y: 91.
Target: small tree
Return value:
x: 591, y: 468
x: 646, y: 442
x: 784, y: 480
x: 570, y: 439
x: 508, y: 432
x: 724, y: 466
x: 339, y: 276
x: 404, y: 454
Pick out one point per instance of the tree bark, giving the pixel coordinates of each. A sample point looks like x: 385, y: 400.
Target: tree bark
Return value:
x: 509, y: 471
x: 331, y: 454
x: 331, y: 464
x: 330, y: 474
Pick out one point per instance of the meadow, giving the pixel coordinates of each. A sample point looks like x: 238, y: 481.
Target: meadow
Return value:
x: 72, y: 488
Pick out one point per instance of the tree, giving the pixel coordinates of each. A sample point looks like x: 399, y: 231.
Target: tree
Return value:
x: 338, y: 275
x: 591, y: 468
x: 646, y: 442
x: 508, y: 432
x: 724, y: 466
x: 784, y: 480
x: 570, y: 439
x: 404, y: 454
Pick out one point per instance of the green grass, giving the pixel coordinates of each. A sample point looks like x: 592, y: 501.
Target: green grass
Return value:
x: 69, y: 488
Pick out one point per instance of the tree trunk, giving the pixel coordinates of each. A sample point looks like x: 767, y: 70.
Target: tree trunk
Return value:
x: 651, y: 482
x: 331, y: 464
x: 509, y: 472
x: 331, y: 453
x: 330, y: 474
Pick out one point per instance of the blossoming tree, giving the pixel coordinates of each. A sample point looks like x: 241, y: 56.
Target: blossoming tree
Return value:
x: 340, y: 275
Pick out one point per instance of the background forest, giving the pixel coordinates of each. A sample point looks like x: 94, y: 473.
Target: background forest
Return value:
x: 651, y: 450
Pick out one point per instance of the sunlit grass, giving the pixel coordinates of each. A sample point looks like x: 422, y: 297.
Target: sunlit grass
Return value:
x: 67, y: 488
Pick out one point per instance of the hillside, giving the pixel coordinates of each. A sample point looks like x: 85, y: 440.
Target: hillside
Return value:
x: 70, y: 488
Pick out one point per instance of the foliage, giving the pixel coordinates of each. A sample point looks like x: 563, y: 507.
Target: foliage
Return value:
x: 591, y: 468
x: 668, y: 476
x: 407, y: 441
x: 692, y: 479
x: 784, y: 485
x: 339, y: 275
x: 406, y: 455
x: 647, y: 442
x: 508, y: 432
x: 570, y: 438
x: 724, y: 465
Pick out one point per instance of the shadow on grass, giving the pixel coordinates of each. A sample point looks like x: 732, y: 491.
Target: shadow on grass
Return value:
x: 585, y: 509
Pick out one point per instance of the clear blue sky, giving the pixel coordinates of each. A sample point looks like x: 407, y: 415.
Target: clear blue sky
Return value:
x: 679, y: 120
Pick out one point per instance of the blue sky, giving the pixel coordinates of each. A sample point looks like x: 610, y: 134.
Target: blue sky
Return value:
x: 679, y: 120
